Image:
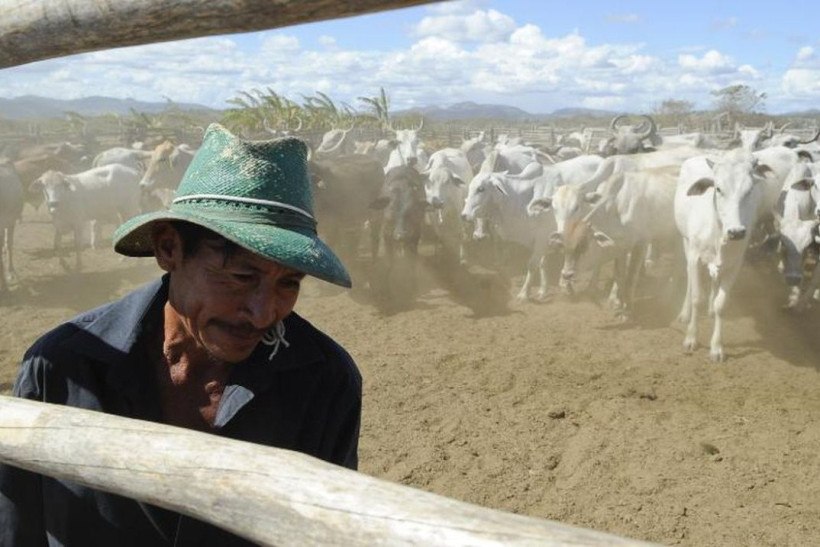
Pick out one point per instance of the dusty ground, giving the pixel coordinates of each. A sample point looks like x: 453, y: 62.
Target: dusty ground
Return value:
x: 550, y: 409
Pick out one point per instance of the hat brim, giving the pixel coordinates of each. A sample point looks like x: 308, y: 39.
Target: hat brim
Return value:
x: 302, y: 252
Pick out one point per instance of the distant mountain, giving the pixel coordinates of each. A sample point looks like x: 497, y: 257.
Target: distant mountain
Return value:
x: 31, y: 106
x: 810, y: 113
x: 582, y: 112
x: 470, y: 110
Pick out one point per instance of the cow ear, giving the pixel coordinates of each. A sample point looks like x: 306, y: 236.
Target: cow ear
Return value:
x: 500, y: 188
x: 804, y: 155
x: 457, y: 181
x: 36, y: 186
x: 699, y: 187
x: 802, y: 185
x: 761, y: 170
x: 592, y: 197
x: 379, y: 203
x: 541, y: 204
x: 70, y: 184
x: 602, y: 239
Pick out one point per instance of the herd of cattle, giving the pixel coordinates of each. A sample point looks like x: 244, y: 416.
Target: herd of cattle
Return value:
x: 638, y: 195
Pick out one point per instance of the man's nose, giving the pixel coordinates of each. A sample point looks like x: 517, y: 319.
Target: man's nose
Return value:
x: 261, y: 307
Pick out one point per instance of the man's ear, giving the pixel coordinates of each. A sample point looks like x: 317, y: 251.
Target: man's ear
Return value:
x: 167, y: 246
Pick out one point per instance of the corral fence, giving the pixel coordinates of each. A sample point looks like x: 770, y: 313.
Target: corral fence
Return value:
x: 267, y: 495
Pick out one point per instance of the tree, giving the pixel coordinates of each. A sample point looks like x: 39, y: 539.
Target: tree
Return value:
x: 739, y: 99
x: 379, y: 106
x: 675, y: 107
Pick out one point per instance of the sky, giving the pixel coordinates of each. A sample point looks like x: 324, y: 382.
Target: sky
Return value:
x: 537, y: 55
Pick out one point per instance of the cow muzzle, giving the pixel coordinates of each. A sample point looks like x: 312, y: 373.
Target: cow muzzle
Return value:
x: 735, y: 234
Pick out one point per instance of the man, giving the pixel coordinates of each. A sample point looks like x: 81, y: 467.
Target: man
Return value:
x: 212, y: 346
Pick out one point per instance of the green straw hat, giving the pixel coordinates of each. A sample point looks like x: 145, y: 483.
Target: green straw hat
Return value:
x: 254, y: 193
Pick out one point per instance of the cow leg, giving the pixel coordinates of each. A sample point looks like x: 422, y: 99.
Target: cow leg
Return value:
x: 651, y: 255
x: 616, y: 296
x: 724, y: 284
x: 686, y: 307
x: 78, y: 246
x: 690, y: 342
x: 525, y: 288
x: 636, y: 261
x: 542, y: 271
x: 12, y: 273
x: 3, y: 286
x: 811, y: 287
x: 95, y: 233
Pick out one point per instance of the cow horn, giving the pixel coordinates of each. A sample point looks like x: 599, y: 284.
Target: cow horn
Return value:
x: 784, y: 126
x: 267, y: 127
x: 349, y: 129
x: 594, y: 209
x: 615, y: 121
x: 299, y: 127
x: 651, y: 130
x: 814, y: 138
x: 768, y: 129
x: 421, y: 124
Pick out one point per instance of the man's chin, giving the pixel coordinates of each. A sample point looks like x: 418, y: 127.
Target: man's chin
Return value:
x: 231, y: 354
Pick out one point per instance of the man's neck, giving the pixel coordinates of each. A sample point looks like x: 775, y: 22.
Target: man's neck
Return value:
x: 190, y: 379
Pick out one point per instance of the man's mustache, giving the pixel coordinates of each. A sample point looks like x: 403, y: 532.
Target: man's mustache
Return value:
x: 243, y: 329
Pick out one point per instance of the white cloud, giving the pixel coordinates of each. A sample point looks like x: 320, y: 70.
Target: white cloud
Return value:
x: 712, y: 62
x: 604, y: 103
x: 327, y: 41
x: 625, y: 18
x: 478, y: 26
x: 459, y: 51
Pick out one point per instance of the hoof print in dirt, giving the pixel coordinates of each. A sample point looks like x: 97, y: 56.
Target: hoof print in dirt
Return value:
x: 557, y: 413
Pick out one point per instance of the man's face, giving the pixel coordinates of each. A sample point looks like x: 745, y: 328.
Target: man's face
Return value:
x: 225, y: 306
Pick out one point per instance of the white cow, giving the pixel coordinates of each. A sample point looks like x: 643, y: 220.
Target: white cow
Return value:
x: 574, y: 171
x: 630, y: 211
x: 448, y: 173
x: 501, y: 200
x: 476, y: 150
x: 716, y: 206
x: 130, y: 157
x: 110, y: 193
x: 408, y: 150
x: 798, y: 216
x: 335, y: 143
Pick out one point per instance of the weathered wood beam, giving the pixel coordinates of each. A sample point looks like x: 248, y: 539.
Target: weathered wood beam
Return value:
x: 33, y: 30
x: 267, y: 495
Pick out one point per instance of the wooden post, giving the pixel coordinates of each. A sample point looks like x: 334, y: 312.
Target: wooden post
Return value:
x: 267, y: 495
x: 32, y: 30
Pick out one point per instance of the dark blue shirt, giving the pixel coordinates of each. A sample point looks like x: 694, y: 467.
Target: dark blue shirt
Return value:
x: 307, y: 398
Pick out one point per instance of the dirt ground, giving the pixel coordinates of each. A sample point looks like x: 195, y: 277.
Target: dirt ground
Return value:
x: 551, y: 409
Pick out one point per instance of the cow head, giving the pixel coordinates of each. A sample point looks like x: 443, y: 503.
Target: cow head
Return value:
x: 55, y: 188
x: 442, y: 186
x: 629, y: 139
x: 483, y: 195
x: 735, y: 183
x: 403, y: 202
x: 335, y: 143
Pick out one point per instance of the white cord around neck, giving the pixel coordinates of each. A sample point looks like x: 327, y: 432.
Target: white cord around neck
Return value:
x: 275, y: 338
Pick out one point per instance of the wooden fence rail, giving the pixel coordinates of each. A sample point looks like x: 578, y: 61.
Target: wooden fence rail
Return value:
x: 267, y: 495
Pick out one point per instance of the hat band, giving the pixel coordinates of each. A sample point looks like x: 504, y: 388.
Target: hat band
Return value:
x: 271, y: 216
x: 251, y: 201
